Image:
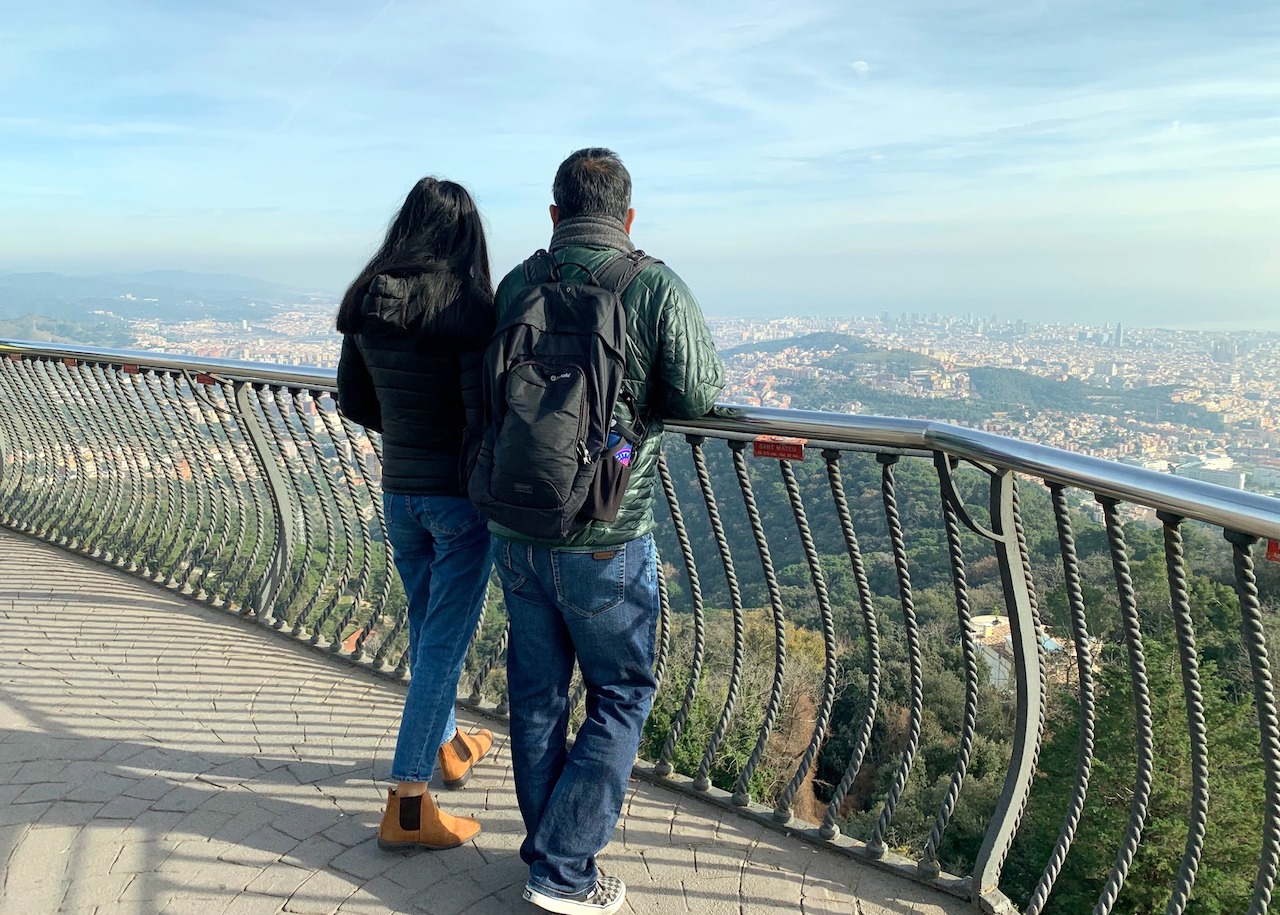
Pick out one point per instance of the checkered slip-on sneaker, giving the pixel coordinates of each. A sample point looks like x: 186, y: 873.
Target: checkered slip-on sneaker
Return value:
x: 604, y: 898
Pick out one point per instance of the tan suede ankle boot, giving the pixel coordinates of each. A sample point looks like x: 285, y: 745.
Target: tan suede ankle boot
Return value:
x: 459, y: 755
x: 416, y: 822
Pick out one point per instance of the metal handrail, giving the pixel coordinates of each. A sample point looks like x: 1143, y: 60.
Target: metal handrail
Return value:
x: 1231, y: 509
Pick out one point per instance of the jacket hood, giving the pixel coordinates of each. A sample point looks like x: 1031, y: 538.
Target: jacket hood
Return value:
x: 428, y: 303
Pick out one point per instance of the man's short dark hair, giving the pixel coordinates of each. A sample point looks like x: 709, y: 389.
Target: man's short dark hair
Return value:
x: 592, y: 182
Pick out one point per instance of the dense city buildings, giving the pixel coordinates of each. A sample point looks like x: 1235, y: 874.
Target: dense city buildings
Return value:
x: 1202, y: 404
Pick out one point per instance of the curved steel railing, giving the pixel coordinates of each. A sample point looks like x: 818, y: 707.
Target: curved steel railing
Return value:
x: 242, y: 485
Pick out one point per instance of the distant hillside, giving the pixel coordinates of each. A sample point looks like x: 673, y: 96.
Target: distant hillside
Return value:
x: 1008, y: 389
x: 156, y: 294
x: 111, y: 332
x: 855, y: 353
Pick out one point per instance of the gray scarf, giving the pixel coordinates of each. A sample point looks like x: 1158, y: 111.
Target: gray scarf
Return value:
x: 591, y: 231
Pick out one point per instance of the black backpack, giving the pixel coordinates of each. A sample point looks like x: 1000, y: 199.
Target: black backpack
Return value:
x: 553, y: 457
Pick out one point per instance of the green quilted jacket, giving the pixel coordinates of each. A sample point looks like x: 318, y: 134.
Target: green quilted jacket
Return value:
x: 672, y: 371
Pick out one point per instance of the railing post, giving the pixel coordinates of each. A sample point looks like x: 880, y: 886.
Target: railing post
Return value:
x: 281, y: 505
x: 1026, y: 741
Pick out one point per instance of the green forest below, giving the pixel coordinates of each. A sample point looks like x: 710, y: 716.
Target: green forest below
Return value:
x: 1237, y: 794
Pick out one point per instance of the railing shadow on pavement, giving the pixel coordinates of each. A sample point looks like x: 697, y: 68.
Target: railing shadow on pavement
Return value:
x: 207, y: 747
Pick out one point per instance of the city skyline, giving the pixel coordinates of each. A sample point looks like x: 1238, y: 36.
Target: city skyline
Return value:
x: 1060, y: 161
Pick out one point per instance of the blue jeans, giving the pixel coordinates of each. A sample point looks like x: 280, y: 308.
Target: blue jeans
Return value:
x: 442, y: 552
x: 600, y: 607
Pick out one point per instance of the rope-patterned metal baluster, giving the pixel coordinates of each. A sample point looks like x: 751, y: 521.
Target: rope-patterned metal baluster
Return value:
x: 49, y: 491
x: 256, y: 484
x: 88, y: 497
x: 68, y: 487
x: 1180, y: 602
x: 115, y: 417
x: 294, y: 571
x: 160, y: 440
x: 15, y: 491
x: 103, y: 523
x: 702, y: 779
x: 100, y: 452
x: 110, y: 426
x: 487, y: 665
x: 324, y: 498
x: 664, y: 628
x: 177, y: 520
x: 299, y: 468
x: 928, y: 865
x: 166, y: 411
x: 202, y: 528
x: 1142, y: 709
x: 12, y: 452
x: 782, y: 812
x: 366, y: 571
x: 384, y: 590
x: 262, y: 536
x: 146, y: 482
x: 209, y: 449
x: 152, y: 442
x: 111, y: 422
x: 363, y: 577
x: 871, y: 631
x: 663, y: 766
x: 1084, y: 669
x: 220, y: 418
x: 888, y: 491
x: 46, y: 492
x: 96, y: 495
x: 742, y: 794
x: 1255, y: 641
x: 72, y: 507
x: 273, y: 514
x: 217, y: 510
x: 354, y: 530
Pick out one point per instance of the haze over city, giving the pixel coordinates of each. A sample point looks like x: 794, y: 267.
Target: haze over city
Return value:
x: 1075, y: 161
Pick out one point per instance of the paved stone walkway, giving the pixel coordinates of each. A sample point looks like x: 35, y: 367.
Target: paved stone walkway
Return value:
x: 158, y: 756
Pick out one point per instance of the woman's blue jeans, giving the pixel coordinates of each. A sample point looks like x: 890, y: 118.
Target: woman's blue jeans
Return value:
x: 441, y: 547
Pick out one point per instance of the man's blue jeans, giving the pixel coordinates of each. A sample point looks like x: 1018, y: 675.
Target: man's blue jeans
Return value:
x: 442, y: 553
x: 601, y: 607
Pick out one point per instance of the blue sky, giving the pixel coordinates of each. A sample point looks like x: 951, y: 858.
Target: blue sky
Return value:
x: 1065, y: 160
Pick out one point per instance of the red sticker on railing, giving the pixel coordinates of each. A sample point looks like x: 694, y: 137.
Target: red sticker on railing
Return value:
x: 129, y: 368
x: 1273, y: 550
x: 779, y: 447
x: 71, y: 363
x: 16, y: 357
x: 202, y: 378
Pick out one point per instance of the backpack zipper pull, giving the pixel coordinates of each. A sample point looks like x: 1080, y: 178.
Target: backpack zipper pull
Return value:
x: 584, y: 456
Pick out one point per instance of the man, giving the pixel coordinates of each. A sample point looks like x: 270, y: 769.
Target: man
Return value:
x: 594, y: 595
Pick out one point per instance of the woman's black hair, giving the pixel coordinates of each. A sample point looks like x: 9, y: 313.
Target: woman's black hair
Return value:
x: 437, y: 236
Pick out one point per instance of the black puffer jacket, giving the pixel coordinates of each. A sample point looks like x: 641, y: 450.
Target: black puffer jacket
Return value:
x: 412, y: 372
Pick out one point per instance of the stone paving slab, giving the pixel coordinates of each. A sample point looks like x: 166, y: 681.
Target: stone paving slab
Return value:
x: 157, y: 756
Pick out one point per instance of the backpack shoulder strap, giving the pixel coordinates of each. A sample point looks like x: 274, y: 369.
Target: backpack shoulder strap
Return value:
x: 541, y: 267
x: 618, y: 272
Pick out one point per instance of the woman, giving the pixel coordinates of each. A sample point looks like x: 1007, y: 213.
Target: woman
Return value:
x: 414, y: 324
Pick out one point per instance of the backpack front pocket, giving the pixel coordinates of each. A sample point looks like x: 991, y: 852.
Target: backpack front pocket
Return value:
x: 541, y: 448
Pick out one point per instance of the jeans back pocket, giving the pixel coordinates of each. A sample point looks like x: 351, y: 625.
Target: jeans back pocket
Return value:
x: 589, y: 583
